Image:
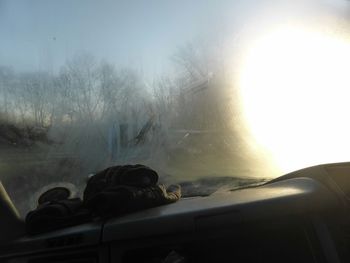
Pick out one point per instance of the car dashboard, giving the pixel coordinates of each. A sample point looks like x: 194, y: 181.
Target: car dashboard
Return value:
x: 300, y: 217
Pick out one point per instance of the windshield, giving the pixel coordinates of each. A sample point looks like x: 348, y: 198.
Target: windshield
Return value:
x: 247, y: 90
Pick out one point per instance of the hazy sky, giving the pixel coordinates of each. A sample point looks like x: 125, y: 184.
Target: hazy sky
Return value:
x: 43, y: 33
x: 40, y: 34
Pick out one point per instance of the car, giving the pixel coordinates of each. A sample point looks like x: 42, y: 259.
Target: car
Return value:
x: 243, y: 105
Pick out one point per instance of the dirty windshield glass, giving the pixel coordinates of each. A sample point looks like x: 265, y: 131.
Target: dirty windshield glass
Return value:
x: 230, y: 93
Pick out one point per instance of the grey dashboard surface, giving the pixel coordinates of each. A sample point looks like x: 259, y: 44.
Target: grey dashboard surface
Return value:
x: 292, y: 196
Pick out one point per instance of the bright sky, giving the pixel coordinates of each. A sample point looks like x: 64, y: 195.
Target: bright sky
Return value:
x: 44, y: 33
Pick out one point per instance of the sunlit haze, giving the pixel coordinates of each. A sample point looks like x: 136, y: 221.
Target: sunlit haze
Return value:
x: 295, y: 86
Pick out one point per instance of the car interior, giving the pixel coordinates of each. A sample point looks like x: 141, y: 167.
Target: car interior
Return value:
x: 174, y: 131
x: 299, y: 217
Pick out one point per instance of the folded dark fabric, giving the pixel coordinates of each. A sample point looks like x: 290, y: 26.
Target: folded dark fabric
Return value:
x: 120, y: 200
x: 130, y: 175
x: 56, y: 214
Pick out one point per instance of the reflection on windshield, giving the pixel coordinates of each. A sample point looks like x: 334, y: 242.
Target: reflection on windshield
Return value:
x: 222, y: 90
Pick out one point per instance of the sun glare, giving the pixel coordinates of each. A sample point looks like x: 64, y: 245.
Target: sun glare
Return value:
x: 295, y: 87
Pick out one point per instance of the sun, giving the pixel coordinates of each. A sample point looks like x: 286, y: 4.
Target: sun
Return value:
x: 295, y: 88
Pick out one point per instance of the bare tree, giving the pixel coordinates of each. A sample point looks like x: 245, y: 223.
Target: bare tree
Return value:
x: 7, y: 80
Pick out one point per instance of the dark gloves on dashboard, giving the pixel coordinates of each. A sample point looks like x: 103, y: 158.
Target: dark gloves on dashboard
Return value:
x: 122, y: 189
x: 131, y: 175
x: 124, y: 199
x: 56, y: 214
x: 114, y: 191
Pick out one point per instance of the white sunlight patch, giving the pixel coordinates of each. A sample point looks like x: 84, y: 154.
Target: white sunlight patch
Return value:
x: 295, y: 87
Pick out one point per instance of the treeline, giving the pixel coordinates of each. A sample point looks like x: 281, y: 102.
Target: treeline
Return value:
x: 85, y: 90
x: 96, y: 111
